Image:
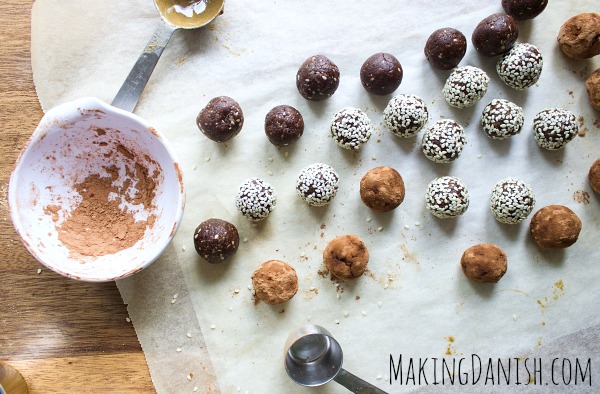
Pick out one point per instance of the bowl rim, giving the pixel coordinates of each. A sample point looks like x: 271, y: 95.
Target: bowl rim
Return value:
x: 82, y: 104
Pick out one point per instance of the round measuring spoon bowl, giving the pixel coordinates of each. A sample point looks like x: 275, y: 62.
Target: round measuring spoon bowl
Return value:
x: 189, y: 14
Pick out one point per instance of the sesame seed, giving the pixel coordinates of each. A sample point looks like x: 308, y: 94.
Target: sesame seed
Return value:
x: 212, y: 326
x: 364, y: 313
x: 128, y: 320
x: 207, y: 159
x: 337, y: 321
x: 39, y: 271
x: 178, y: 350
x: 188, y: 335
x: 346, y: 313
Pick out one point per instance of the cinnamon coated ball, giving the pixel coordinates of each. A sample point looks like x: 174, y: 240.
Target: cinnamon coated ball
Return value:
x: 579, y: 37
x: 555, y: 227
x: 275, y: 282
x: 382, y: 189
x: 346, y: 257
x: 594, y: 176
x: 592, y: 85
x: 484, y: 263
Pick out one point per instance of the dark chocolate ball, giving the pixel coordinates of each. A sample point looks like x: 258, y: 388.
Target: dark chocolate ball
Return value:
x: 381, y: 74
x: 524, y: 9
x: 495, y: 34
x: 284, y: 125
x: 221, y: 119
x: 318, y: 78
x: 445, y: 48
x: 215, y: 240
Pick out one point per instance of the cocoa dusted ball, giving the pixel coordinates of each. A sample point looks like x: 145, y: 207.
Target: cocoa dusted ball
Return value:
x: 579, y: 37
x: 594, y: 176
x: 221, y: 119
x: 284, y: 125
x: 495, y: 34
x: 346, y: 257
x: 524, y: 9
x: 381, y: 74
x: 592, y: 85
x: 555, y: 227
x: 382, y: 189
x: 215, y: 240
x: 275, y: 282
x: 484, y: 263
x: 445, y: 48
x: 318, y: 78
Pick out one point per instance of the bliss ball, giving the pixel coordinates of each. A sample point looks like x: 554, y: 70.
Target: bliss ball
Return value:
x: 484, y: 263
x: 502, y: 119
x: 524, y: 9
x: 554, y: 128
x: 215, y: 240
x: 465, y: 86
x: 346, y: 257
x: 495, y: 34
x: 381, y: 74
x: 318, y: 78
x: 555, y: 227
x: 405, y: 115
x: 317, y: 184
x: 275, y: 282
x: 221, y: 119
x: 447, y: 197
x: 520, y: 67
x: 579, y: 37
x: 592, y: 85
x: 350, y: 128
x: 382, y: 189
x: 512, y: 201
x: 445, y: 48
x: 443, y: 142
x: 284, y: 125
x: 255, y: 199
x: 594, y: 176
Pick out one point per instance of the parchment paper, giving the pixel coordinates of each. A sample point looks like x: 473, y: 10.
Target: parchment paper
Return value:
x: 415, y: 301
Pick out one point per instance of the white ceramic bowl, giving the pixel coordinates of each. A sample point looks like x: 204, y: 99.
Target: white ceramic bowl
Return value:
x: 76, y: 140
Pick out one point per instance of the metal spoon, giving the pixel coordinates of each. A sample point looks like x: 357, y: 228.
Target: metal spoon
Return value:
x: 174, y: 14
x: 313, y: 358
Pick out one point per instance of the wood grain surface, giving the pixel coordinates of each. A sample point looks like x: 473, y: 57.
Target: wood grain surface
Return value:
x: 64, y: 336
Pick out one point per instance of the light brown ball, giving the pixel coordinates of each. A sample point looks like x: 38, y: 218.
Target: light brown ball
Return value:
x: 346, y: 257
x: 484, y: 263
x: 275, y: 282
x: 555, y: 227
x: 382, y: 189
x: 579, y: 37
x: 594, y: 176
x: 592, y: 86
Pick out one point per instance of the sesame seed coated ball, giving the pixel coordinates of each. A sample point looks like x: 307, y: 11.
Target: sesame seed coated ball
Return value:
x: 317, y: 184
x: 502, y: 119
x: 350, y: 128
x: 465, y: 86
x: 520, y: 67
x: 255, y: 199
x: 447, y: 197
x: 443, y: 142
x: 512, y: 201
x: 405, y: 115
x: 554, y: 127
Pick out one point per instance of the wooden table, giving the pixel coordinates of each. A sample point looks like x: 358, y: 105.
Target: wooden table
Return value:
x: 62, y: 335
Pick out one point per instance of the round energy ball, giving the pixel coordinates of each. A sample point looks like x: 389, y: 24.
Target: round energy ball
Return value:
x: 381, y: 74
x: 445, y: 48
x: 346, y: 257
x: 215, y: 240
x: 524, y: 9
x: 221, y: 119
x: 512, y: 201
x: 350, y: 128
x: 520, y: 67
x: 594, y: 176
x: 443, y: 142
x: 484, y: 263
x: 284, y: 125
x: 502, y: 119
x: 317, y: 184
x: 465, y: 86
x: 255, y: 199
x: 275, y: 282
x: 447, y: 197
x: 579, y: 36
x: 495, y: 34
x: 318, y: 78
x: 405, y: 115
x: 555, y: 227
x: 382, y: 189
x: 592, y: 85
x: 553, y: 128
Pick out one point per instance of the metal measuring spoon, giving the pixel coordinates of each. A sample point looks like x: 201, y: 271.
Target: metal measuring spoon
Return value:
x: 174, y: 14
x: 313, y: 358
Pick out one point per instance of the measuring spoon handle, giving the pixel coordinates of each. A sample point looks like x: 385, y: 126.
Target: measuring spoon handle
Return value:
x: 134, y: 84
x: 356, y: 384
